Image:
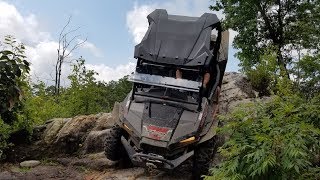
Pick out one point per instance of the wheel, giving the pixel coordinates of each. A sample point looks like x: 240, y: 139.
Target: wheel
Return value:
x: 203, y: 157
x: 113, y: 148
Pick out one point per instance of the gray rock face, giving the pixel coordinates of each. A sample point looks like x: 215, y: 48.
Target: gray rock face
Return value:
x: 30, y: 163
x: 77, y: 125
x: 95, y: 141
x: 53, y: 128
x: 73, y: 133
x: 236, y: 89
x: 104, y: 121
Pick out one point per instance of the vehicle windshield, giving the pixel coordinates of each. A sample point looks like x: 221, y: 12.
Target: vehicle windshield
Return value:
x: 166, y: 87
x: 169, y: 82
x: 168, y: 93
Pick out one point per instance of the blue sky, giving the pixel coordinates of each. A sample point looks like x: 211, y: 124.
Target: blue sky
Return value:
x: 112, y: 28
x: 102, y: 22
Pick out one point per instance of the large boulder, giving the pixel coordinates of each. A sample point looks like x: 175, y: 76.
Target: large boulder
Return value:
x: 236, y: 89
x: 95, y: 141
x: 103, y: 122
x: 53, y: 129
x: 73, y: 133
x: 107, y: 120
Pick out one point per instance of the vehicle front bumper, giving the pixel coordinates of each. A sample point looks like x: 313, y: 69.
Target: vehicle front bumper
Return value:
x: 153, y: 160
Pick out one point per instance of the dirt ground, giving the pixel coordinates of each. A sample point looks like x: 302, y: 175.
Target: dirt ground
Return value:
x: 92, y: 167
x: 60, y: 172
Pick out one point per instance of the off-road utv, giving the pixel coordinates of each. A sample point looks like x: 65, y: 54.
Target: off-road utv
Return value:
x: 170, y: 114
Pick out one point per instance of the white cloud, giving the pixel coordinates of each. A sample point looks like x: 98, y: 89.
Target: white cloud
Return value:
x: 96, y: 52
x: 41, y: 49
x: 107, y: 73
x: 137, y: 21
x: 25, y: 29
x: 43, y: 57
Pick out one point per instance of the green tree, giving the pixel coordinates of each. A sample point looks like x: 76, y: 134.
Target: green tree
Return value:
x: 13, y: 70
x: 307, y: 71
x: 283, y: 24
x: 263, y: 75
x: 82, y: 96
x: 86, y: 95
x: 279, y: 51
x: 39, y: 96
x: 13, y: 73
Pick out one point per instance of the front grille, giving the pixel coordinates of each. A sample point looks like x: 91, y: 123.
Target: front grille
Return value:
x: 167, y: 153
x: 153, y: 149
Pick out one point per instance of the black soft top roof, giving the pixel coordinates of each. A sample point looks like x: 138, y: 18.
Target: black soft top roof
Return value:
x: 178, y: 40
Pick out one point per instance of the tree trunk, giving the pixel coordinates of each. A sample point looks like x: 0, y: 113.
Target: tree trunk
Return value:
x: 56, y: 78
x: 59, y: 77
x: 280, y: 41
x: 282, y: 65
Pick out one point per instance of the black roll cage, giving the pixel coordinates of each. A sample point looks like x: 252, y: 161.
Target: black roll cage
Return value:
x: 213, y: 68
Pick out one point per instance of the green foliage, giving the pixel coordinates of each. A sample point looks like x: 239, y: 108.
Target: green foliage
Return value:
x: 310, y: 111
x: 261, y: 80
x: 13, y: 68
x: 85, y: 95
x: 307, y: 71
x: 88, y: 96
x: 275, y: 140
x: 279, y: 52
x: 286, y: 25
x: 48, y: 103
x: 4, y: 135
x: 290, y: 28
x: 13, y: 73
x: 263, y: 75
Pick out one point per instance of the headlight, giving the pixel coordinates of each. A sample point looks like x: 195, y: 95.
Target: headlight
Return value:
x: 127, y: 128
x: 190, y: 139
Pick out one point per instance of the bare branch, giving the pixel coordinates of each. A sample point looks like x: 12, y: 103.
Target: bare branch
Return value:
x: 76, y: 46
x: 67, y: 45
x: 68, y: 22
x: 63, y: 51
x: 71, y: 31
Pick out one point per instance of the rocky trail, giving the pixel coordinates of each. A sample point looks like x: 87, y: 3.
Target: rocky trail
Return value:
x: 72, y: 148
x: 92, y: 167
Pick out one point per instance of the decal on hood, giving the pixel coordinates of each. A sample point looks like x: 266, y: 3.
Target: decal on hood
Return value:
x: 157, y: 133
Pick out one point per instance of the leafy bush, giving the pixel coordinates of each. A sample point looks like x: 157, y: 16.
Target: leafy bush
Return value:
x: 49, y: 108
x: 307, y: 72
x: 13, y: 71
x: 85, y: 95
x: 263, y: 74
x: 4, y: 135
x: 13, y: 68
x: 261, y: 80
x: 276, y: 140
